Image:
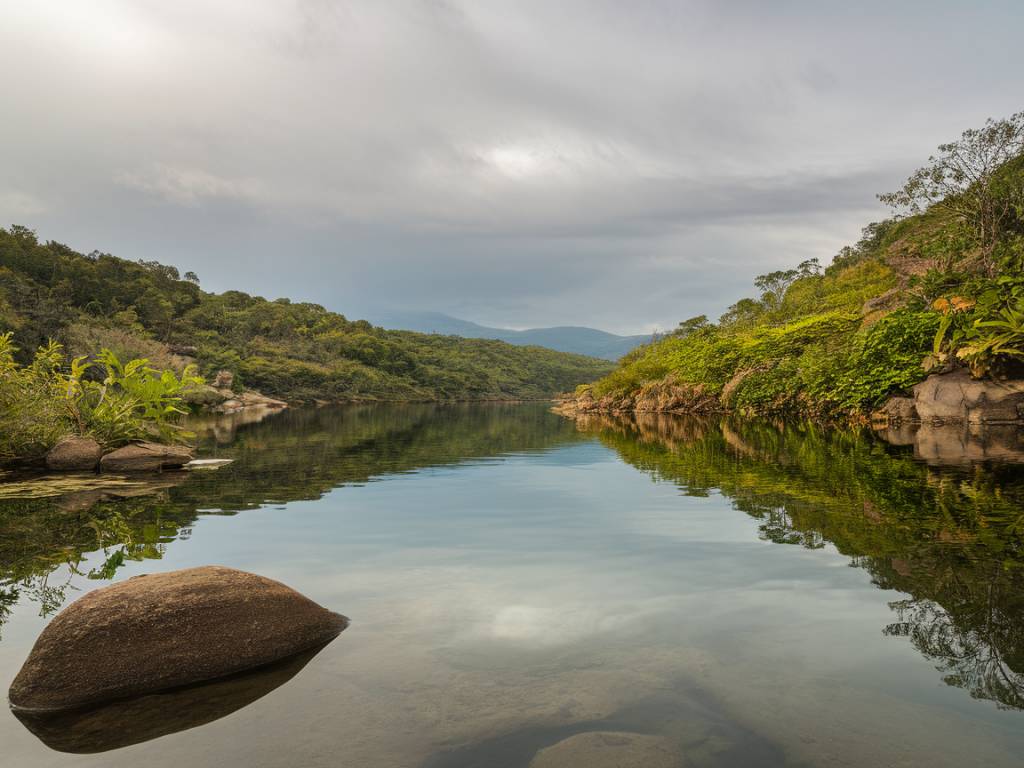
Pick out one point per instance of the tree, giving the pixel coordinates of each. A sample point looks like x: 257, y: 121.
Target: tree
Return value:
x: 694, y: 324
x: 773, y: 286
x: 744, y: 312
x: 960, y: 179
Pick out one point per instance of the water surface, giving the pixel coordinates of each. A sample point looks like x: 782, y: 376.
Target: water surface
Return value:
x: 728, y: 594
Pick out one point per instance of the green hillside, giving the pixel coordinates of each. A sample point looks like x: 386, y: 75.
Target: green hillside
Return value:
x: 939, y: 285
x: 282, y: 348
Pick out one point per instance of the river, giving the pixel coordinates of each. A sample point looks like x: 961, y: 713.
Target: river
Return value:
x: 522, y: 587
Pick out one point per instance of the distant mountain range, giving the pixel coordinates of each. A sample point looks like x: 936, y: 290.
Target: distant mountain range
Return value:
x: 569, y: 338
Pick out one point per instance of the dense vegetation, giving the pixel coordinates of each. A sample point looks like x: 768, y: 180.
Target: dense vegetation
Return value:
x: 47, y: 399
x: 939, y: 285
x: 285, y: 349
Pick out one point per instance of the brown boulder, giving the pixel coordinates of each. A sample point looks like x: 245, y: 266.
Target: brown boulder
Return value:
x: 74, y: 454
x: 162, y: 631
x: 146, y: 457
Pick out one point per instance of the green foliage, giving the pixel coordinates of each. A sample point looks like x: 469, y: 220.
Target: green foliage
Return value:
x: 46, y: 400
x: 885, y: 358
x: 987, y: 332
x: 287, y: 349
x: 941, y: 286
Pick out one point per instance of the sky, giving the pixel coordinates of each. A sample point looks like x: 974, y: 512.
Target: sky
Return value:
x: 622, y: 165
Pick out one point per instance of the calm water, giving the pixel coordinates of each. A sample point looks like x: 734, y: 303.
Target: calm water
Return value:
x: 723, y: 594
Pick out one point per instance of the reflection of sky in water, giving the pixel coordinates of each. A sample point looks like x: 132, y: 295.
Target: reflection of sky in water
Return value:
x: 548, y: 589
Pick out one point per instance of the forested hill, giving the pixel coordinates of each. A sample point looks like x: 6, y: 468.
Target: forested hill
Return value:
x: 937, y: 287
x: 282, y: 348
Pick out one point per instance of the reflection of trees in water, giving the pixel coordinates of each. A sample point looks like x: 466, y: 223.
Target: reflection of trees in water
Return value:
x: 298, y: 454
x: 969, y: 657
x: 951, y: 538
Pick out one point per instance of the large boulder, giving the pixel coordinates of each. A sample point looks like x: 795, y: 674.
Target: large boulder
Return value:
x: 162, y: 631
x: 73, y: 454
x: 146, y: 457
x: 957, y: 398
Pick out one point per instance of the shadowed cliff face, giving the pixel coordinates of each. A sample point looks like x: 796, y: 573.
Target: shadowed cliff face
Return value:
x: 943, y: 523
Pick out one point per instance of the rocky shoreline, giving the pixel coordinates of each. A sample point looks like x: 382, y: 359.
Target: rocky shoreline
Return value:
x: 951, y: 398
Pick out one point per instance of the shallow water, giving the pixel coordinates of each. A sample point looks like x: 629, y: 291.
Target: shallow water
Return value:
x: 719, y: 594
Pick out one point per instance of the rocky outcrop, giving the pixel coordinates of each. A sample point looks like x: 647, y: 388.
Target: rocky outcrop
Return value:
x: 205, y: 396
x: 956, y: 398
x: 146, y: 457
x: 896, y: 411
x: 163, y: 631
x: 249, y: 399
x: 74, y: 454
x: 667, y: 395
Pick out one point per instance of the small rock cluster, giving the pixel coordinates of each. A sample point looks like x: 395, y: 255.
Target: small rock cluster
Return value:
x: 220, y: 397
x: 83, y: 454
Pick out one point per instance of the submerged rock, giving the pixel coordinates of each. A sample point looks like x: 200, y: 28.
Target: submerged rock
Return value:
x: 609, y: 749
x: 146, y: 457
x: 73, y: 454
x: 163, y: 631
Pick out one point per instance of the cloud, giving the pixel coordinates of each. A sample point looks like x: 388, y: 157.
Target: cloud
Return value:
x: 15, y: 205
x: 190, y: 186
x: 620, y: 165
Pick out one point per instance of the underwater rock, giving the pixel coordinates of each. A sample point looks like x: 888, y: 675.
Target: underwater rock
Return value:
x: 609, y: 749
x: 162, y: 631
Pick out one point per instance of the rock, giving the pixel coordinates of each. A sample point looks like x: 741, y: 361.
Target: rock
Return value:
x: 162, y: 631
x: 208, y: 463
x: 74, y: 454
x: 224, y: 380
x: 249, y: 399
x: 609, y: 749
x: 205, y: 396
x: 955, y: 398
x: 895, y: 411
x: 146, y: 457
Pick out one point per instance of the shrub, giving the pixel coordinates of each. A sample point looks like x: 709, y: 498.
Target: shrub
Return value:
x: 46, y: 400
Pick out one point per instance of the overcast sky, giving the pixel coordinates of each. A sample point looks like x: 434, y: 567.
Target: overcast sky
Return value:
x: 623, y: 165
